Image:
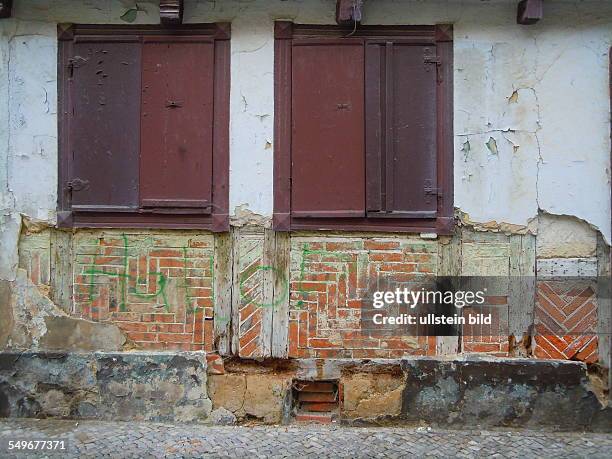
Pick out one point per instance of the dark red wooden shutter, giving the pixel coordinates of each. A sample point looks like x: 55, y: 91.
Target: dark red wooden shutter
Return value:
x: 177, y: 122
x: 327, y: 151
x: 105, y: 124
x: 401, y: 130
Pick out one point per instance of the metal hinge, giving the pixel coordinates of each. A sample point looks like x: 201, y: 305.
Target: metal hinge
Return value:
x: 77, y: 184
x: 74, y: 63
x: 431, y: 59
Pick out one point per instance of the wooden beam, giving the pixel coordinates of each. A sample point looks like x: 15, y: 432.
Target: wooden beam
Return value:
x: 529, y: 12
x: 348, y: 11
x: 171, y: 12
x: 5, y: 8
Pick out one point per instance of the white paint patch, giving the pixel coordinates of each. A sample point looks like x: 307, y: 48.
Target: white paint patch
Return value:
x: 567, y: 267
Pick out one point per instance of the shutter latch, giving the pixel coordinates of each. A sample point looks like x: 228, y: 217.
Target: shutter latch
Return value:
x: 431, y: 191
x: 77, y: 184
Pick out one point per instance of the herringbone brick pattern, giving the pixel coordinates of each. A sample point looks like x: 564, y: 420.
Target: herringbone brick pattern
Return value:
x: 157, y: 288
x: 565, y: 320
x: 329, y: 280
x: 251, y: 291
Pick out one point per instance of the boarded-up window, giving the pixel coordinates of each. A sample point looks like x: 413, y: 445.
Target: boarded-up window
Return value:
x: 144, y: 126
x: 364, y: 128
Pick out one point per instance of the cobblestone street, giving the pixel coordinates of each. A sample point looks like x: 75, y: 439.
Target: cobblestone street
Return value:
x: 121, y: 439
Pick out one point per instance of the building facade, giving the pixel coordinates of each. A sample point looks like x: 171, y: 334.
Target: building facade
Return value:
x: 236, y: 184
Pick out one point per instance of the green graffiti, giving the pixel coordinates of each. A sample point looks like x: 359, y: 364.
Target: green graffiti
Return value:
x: 125, y: 279
x: 249, y: 299
x: 303, y: 292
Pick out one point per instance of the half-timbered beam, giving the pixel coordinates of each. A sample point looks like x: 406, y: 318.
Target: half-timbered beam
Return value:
x: 529, y: 11
x: 171, y: 12
x: 348, y: 11
x: 5, y: 8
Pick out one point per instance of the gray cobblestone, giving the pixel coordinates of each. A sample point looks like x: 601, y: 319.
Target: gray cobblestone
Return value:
x: 150, y: 440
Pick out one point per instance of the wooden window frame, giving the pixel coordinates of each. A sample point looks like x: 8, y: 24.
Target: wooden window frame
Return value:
x: 218, y: 219
x: 439, y: 35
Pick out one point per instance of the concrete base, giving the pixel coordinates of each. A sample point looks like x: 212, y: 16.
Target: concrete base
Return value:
x: 107, y: 386
x: 454, y: 392
x: 502, y: 392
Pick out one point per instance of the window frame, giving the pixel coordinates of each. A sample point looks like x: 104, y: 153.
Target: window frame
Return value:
x: 439, y: 35
x: 174, y: 218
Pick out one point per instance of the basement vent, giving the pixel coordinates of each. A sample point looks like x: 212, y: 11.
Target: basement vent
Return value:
x: 316, y: 401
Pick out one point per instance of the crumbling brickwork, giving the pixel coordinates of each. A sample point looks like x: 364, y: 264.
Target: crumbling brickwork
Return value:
x: 156, y: 287
x: 329, y: 279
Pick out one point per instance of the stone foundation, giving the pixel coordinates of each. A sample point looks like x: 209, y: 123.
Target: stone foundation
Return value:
x: 106, y: 386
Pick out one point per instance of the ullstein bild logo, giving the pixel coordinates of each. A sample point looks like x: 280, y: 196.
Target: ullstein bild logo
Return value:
x: 414, y: 298
x: 478, y: 306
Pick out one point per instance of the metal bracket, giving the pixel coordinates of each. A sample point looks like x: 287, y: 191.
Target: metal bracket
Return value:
x: 5, y: 8
x: 77, y: 184
x: 431, y: 59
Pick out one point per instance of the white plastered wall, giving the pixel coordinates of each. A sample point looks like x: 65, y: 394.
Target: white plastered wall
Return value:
x: 531, y: 114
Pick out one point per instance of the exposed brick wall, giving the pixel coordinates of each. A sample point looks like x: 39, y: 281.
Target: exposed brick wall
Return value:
x: 158, y: 288
x: 566, y: 320
x: 251, y: 280
x: 488, y: 255
x: 329, y: 278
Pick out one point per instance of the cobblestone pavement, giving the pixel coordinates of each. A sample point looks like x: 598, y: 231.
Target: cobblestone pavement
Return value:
x: 133, y: 439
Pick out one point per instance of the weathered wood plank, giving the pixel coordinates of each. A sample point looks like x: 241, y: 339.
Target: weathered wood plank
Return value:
x: 604, y: 306
x: 521, y: 295
x: 61, y: 275
x: 223, y: 292
x: 267, y: 303
x: 235, y: 295
x: 280, y: 321
x: 449, y: 265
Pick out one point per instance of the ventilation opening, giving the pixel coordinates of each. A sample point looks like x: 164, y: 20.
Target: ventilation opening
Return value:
x: 316, y: 401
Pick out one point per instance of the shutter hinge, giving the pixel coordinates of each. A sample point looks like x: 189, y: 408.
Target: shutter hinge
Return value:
x: 74, y: 63
x: 77, y: 184
x: 431, y: 59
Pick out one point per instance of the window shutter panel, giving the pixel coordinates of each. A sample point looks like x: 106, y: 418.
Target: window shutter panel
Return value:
x: 401, y: 130
x: 177, y: 123
x: 327, y: 151
x: 105, y: 124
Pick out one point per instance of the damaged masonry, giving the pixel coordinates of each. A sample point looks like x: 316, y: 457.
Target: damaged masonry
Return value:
x: 201, y: 199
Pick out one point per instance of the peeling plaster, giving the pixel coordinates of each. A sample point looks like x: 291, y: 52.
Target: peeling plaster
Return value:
x: 243, y: 216
x: 40, y: 324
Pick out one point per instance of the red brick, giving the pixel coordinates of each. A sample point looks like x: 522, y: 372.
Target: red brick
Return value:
x: 398, y: 267
x: 132, y: 326
x: 381, y: 245
x: 309, y: 286
x: 214, y: 364
x: 167, y: 328
x: 175, y: 337
x: 158, y: 317
x: 141, y: 336
x: 381, y: 256
x: 341, y: 246
x: 316, y: 418
x: 319, y: 407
